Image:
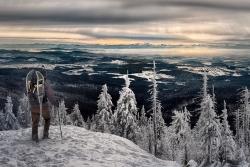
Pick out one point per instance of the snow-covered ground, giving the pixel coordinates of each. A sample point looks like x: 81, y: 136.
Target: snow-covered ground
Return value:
x: 79, y: 147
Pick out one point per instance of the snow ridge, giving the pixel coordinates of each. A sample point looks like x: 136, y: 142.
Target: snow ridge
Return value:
x: 79, y: 147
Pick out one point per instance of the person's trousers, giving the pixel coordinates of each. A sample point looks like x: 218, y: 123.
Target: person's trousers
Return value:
x: 35, y: 113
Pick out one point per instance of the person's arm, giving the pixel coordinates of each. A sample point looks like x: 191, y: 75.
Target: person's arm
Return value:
x: 50, y: 94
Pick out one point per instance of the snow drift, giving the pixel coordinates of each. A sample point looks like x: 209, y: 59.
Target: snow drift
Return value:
x: 79, y: 147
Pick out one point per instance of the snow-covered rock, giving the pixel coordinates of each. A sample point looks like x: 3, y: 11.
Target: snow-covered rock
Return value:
x: 79, y: 147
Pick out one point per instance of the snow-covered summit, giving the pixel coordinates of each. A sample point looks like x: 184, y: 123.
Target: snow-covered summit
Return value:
x: 79, y: 147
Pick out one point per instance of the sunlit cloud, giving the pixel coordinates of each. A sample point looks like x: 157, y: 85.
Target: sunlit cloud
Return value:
x: 170, y: 22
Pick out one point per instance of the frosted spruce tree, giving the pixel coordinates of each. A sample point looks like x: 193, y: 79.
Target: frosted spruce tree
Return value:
x: 2, y: 120
x: 245, y: 119
x: 62, y: 113
x: 208, y: 133
x: 158, y: 122
x: 69, y: 120
x: 125, y: 113
x: 143, y: 130
x: 54, y: 120
x: 143, y: 120
x: 228, y: 146
x: 76, y: 116
x: 10, y: 120
x: 88, y: 123
x: 24, y: 113
x: 104, y: 110
x: 181, y: 136
x: 93, y: 123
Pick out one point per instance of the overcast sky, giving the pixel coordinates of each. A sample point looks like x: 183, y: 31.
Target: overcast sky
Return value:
x: 126, y: 21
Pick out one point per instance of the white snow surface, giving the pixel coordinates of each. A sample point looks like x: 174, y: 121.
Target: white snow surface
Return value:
x: 118, y: 62
x: 212, y: 71
x: 149, y: 75
x: 79, y: 147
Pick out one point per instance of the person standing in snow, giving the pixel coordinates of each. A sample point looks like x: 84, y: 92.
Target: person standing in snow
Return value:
x: 39, y: 93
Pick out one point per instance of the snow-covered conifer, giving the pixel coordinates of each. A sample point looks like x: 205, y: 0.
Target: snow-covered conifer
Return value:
x: 154, y: 100
x: 125, y: 113
x: 181, y: 135
x: 76, y: 116
x: 228, y: 146
x: 143, y: 130
x: 24, y: 113
x: 69, y: 120
x: 62, y: 112
x: 209, y: 132
x: 54, y: 120
x: 11, y: 121
x: 143, y: 120
x: 88, y: 123
x: 245, y: 118
x: 93, y: 123
x: 2, y: 120
x: 160, y: 124
x: 104, y: 110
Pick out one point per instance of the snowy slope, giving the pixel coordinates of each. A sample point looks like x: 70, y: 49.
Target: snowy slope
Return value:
x: 79, y: 147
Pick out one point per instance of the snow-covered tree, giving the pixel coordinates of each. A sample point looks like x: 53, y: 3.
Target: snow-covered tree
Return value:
x: 209, y: 131
x: 245, y: 118
x: 76, y: 116
x: 54, y: 120
x: 69, y: 120
x: 181, y: 136
x: 151, y: 145
x: 24, y: 113
x: 214, y: 98
x: 88, y: 123
x: 237, y: 126
x: 62, y: 113
x: 143, y: 132
x: 2, y: 120
x: 143, y: 120
x: 125, y: 113
x: 158, y: 122
x: 11, y: 121
x: 104, y: 110
x: 204, y: 88
x: 228, y: 146
x: 160, y: 126
x: 93, y: 123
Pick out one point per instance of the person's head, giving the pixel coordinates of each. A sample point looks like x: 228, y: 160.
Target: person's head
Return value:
x: 32, y: 81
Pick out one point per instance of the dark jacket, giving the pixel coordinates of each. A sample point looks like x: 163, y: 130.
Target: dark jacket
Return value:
x: 48, y: 96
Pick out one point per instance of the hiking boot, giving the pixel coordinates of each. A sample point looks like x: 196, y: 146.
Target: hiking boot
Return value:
x: 35, y: 138
x: 45, y: 136
x: 46, y: 129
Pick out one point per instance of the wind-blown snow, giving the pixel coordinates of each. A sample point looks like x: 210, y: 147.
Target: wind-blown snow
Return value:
x: 79, y: 147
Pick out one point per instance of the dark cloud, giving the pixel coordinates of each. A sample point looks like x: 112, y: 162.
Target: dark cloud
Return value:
x: 113, y: 12
x: 71, y: 16
x: 82, y: 14
x: 241, y: 5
